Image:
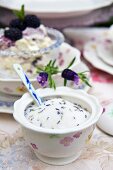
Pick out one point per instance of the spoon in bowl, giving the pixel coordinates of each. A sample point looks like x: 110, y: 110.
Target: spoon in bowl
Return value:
x: 18, y: 68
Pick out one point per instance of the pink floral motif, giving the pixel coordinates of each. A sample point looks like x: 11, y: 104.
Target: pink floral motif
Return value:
x: 61, y: 62
x: 61, y: 59
x: 66, y: 141
x: 34, y: 146
x: 108, y: 41
x: 77, y: 135
x: 101, y: 77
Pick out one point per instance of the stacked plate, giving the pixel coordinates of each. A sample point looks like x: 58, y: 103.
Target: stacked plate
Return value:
x: 100, y: 54
x: 96, y: 44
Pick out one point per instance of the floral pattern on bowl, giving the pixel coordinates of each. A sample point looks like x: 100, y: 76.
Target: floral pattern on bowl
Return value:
x: 13, y: 85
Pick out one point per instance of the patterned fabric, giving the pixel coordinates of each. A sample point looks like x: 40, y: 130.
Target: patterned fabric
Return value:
x: 98, y: 155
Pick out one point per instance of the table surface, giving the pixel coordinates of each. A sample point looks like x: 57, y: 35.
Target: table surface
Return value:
x: 15, y: 154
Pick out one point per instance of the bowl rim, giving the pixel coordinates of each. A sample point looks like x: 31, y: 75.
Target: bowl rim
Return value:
x: 77, y: 62
x: 63, y: 91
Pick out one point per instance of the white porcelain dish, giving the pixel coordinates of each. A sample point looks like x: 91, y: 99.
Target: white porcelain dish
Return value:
x: 105, y: 122
x: 59, y: 146
x: 105, y: 51
x: 7, y: 102
x: 91, y: 55
x: 11, y: 85
x: 56, y: 8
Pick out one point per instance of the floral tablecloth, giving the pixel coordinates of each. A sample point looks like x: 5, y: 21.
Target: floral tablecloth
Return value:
x: 98, y: 155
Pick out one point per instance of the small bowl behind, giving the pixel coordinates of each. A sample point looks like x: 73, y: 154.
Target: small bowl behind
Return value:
x: 14, y: 86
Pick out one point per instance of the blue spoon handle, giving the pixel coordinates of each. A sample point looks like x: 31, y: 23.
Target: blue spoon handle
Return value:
x: 18, y: 68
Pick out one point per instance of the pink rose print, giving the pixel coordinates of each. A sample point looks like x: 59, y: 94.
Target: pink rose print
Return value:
x: 77, y: 135
x: 66, y: 141
x: 34, y: 146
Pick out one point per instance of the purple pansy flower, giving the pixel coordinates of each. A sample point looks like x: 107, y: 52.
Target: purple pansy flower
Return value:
x: 42, y: 79
x: 70, y: 75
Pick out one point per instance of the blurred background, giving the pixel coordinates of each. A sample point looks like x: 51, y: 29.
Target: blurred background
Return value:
x: 78, y: 14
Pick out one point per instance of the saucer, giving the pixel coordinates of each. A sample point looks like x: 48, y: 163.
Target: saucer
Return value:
x: 105, y: 51
x: 7, y: 102
x: 91, y: 55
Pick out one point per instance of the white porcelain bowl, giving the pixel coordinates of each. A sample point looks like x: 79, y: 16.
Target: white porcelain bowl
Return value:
x: 13, y: 85
x: 58, y: 146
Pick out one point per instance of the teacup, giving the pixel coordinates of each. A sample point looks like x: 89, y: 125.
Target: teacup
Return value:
x: 58, y: 146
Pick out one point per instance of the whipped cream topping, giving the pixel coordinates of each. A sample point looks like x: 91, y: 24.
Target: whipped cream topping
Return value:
x: 34, y: 39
